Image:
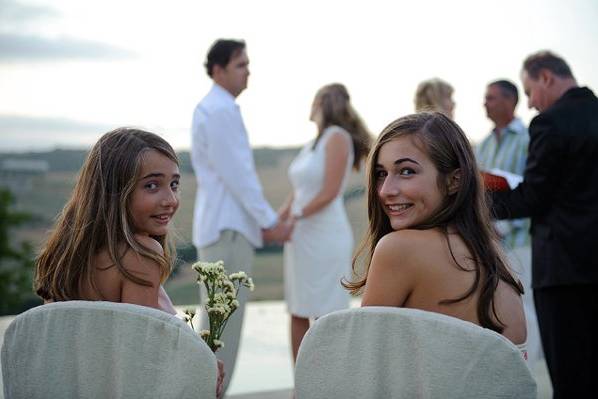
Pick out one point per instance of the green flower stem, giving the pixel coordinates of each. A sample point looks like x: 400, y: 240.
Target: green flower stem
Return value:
x: 222, y: 290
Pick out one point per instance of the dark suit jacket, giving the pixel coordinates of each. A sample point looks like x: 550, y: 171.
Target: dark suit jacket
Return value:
x: 560, y: 192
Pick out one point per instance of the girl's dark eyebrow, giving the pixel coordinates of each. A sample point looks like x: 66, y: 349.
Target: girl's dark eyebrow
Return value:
x: 400, y: 160
x: 175, y: 176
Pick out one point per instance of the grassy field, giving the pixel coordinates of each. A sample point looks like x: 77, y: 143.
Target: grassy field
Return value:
x: 53, y: 189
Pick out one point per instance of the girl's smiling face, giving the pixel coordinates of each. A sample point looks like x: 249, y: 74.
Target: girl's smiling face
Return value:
x: 155, y: 198
x: 407, y: 183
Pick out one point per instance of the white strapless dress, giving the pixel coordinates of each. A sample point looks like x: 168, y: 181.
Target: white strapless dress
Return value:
x: 319, y: 252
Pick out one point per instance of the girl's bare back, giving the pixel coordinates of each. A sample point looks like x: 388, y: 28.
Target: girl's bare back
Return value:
x: 112, y: 285
x: 415, y: 269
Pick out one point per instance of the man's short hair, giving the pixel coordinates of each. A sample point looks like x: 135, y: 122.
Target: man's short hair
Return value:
x: 545, y: 59
x: 507, y: 88
x: 221, y: 53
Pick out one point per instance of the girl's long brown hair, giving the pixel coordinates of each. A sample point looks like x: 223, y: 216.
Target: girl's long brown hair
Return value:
x: 466, y: 210
x: 97, y: 217
x: 336, y: 108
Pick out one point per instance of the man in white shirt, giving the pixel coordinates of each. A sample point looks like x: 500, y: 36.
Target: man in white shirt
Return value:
x: 231, y: 216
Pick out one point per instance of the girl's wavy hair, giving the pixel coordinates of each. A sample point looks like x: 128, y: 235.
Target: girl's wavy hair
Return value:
x: 97, y: 217
x: 466, y: 210
x: 335, y: 104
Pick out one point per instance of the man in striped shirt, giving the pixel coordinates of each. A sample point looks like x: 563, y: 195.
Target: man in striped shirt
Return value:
x: 505, y: 148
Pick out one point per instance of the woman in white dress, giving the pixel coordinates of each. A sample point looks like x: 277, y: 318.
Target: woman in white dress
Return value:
x: 319, y: 253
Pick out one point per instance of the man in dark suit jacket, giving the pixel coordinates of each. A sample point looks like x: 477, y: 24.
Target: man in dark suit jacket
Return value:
x: 560, y: 194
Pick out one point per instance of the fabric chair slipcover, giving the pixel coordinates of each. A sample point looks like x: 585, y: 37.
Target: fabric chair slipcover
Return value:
x: 386, y: 352
x: 82, y: 349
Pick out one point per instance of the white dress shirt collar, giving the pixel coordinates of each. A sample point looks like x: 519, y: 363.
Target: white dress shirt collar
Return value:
x: 222, y: 95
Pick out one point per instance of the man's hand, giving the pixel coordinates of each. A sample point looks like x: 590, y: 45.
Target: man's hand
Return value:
x: 220, y: 380
x: 279, y: 233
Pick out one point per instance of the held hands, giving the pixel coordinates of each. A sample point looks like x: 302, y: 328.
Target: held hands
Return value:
x: 284, y: 228
x: 279, y: 233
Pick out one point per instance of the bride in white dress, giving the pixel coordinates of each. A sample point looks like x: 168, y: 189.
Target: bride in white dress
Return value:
x: 319, y: 253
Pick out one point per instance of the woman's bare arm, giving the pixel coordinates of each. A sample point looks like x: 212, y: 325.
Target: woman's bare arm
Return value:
x: 285, y: 210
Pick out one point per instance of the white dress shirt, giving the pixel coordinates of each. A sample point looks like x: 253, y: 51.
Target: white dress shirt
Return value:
x: 229, y: 194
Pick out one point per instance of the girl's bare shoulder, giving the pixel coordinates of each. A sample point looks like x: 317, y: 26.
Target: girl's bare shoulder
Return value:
x: 417, y: 252
x: 409, y: 241
x: 140, y: 265
x: 150, y: 243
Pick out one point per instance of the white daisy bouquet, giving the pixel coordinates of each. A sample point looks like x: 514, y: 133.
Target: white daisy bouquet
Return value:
x: 222, y: 301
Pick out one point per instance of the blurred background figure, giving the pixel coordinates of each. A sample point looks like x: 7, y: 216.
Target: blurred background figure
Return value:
x: 505, y: 148
x: 231, y: 215
x: 559, y: 193
x: 435, y: 95
x: 319, y: 252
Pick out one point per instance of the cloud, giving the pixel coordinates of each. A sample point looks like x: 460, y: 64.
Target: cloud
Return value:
x: 20, y: 42
x: 16, y: 14
x: 20, y: 132
x: 17, y: 47
x: 20, y: 124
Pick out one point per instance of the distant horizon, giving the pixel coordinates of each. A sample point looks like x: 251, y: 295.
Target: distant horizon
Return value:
x: 6, y: 151
x: 69, y: 73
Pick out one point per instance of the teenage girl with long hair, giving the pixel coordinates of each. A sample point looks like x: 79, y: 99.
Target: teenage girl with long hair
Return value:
x: 430, y: 244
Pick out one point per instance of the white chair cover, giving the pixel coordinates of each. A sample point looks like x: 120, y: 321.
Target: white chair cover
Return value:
x: 82, y: 349
x: 386, y: 352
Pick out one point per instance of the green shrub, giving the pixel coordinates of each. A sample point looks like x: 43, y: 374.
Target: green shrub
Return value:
x: 16, y: 264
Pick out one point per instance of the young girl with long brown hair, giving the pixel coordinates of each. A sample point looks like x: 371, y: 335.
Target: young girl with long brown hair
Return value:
x: 110, y: 242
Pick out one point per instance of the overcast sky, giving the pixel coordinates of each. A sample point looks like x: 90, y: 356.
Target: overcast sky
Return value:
x: 71, y: 70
